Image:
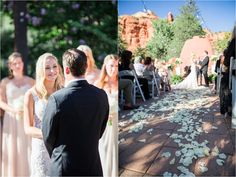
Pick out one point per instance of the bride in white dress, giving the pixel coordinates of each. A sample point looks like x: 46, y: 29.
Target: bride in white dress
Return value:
x: 190, y: 82
x: 48, y: 80
x: 108, y: 148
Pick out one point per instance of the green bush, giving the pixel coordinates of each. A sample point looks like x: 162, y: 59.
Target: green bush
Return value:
x: 211, y: 78
x: 175, y: 79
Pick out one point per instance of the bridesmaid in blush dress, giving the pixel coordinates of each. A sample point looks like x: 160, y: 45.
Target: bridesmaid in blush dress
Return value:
x: 15, y: 143
x: 108, y: 144
x: 92, y: 72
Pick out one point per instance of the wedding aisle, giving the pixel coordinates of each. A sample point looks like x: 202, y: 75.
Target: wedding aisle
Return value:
x: 180, y: 134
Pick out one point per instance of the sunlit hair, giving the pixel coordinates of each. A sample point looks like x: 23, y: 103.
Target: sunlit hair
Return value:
x: 13, y: 56
x: 40, y: 76
x: 103, y: 76
x: 90, y: 60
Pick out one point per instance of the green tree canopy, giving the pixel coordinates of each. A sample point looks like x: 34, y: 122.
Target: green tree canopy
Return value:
x: 59, y: 25
x: 158, y: 45
x: 222, y: 44
x: 185, y: 26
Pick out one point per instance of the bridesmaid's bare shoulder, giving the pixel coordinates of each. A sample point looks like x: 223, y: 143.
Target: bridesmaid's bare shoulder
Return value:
x: 5, y: 81
x: 30, y: 80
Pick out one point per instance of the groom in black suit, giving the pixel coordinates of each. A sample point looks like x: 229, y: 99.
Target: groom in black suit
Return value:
x: 204, y: 67
x: 74, y: 121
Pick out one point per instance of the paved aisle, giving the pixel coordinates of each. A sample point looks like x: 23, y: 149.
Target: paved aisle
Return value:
x: 181, y: 133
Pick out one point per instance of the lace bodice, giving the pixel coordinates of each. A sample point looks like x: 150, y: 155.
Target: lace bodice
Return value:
x: 39, y: 107
x: 15, y: 95
x: 39, y: 156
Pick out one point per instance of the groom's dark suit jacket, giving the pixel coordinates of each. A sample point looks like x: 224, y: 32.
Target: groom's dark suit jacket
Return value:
x: 74, y: 120
x: 204, y: 64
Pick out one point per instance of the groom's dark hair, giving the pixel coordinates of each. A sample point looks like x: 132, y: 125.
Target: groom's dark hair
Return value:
x: 206, y: 52
x: 76, y: 60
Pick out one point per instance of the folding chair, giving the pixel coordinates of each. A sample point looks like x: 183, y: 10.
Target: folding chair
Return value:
x: 219, y: 76
x: 232, y: 87
x: 154, y: 84
x: 137, y: 87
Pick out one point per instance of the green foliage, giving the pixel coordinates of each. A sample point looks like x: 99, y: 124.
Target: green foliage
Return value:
x: 158, y: 45
x: 122, y: 45
x: 175, y: 79
x: 168, y: 38
x: 221, y: 44
x: 59, y: 25
x: 142, y: 52
x: 185, y: 26
x: 212, y: 77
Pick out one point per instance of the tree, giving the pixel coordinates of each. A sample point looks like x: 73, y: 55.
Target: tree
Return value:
x: 142, y: 52
x: 122, y: 45
x: 158, y: 45
x: 222, y: 44
x: 20, y: 23
x: 185, y: 26
x: 59, y: 25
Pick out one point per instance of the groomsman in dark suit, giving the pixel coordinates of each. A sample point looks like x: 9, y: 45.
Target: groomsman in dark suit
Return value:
x: 74, y: 121
x: 204, y: 67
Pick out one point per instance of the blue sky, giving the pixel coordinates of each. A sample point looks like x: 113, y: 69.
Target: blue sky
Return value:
x: 218, y: 15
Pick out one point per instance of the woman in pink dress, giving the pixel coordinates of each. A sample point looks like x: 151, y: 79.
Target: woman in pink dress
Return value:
x: 108, y: 148
x: 15, y: 143
x: 92, y: 72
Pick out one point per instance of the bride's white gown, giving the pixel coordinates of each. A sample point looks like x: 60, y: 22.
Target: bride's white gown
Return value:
x: 190, y: 82
x: 39, y: 156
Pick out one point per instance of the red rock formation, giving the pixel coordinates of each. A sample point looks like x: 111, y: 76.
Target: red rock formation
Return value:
x: 194, y: 46
x: 137, y: 29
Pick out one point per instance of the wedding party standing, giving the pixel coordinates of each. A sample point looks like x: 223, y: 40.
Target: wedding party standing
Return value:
x: 75, y: 121
x: 204, y: 68
x: 48, y: 80
x: 92, y: 72
x: 108, y: 147
x: 15, y: 143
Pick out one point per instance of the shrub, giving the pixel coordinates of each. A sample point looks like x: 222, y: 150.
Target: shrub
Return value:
x: 175, y: 79
x: 211, y: 78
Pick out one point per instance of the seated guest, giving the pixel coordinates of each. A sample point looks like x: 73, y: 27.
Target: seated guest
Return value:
x: 139, y: 66
x: 125, y: 64
x: 165, y: 77
x: 149, y: 68
x: 127, y: 86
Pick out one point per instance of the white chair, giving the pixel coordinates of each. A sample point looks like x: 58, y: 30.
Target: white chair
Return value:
x: 219, y: 76
x: 232, y: 87
x: 154, y: 84
x: 137, y: 86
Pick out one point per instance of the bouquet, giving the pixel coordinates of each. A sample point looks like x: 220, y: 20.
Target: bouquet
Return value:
x: 19, y: 105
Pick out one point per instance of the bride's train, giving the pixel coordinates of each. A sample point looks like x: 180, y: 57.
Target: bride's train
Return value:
x: 190, y: 82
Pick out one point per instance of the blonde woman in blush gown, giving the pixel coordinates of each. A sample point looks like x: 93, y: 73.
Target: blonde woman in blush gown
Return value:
x: 15, y: 143
x: 108, y: 144
x: 48, y: 80
x: 92, y: 72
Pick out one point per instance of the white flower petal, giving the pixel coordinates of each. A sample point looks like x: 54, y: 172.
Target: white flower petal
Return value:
x: 222, y: 156
x: 220, y: 162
